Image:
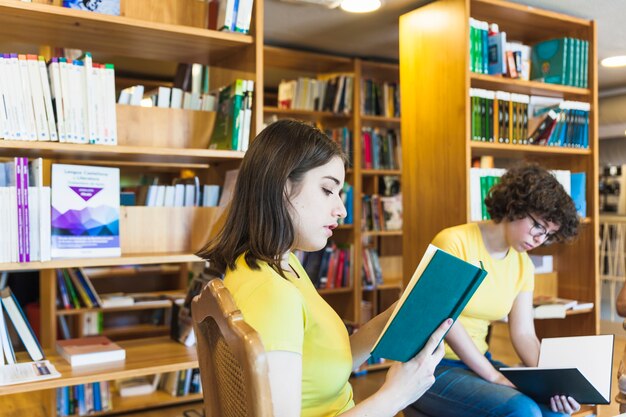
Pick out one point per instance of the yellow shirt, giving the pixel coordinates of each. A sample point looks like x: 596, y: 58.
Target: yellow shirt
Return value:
x: 290, y: 315
x: 506, y: 278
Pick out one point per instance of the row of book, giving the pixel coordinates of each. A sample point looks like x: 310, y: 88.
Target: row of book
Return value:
x: 69, y: 101
x: 371, y: 271
x: 502, y: 117
x: 84, y: 399
x: 381, y: 148
x: 330, y: 267
x: 490, y: 53
x: 329, y: 92
x: 549, y: 307
x: 380, y: 98
x: 234, y: 116
x: 561, y: 61
x: 382, y: 212
x: 343, y: 136
x: 25, y: 217
x: 483, y: 179
x: 566, y: 125
x: 12, y: 313
x: 167, y: 97
x: 347, y: 196
x: 180, y: 195
x: 75, y: 290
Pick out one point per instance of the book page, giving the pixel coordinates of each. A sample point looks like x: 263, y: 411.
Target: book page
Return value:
x: 592, y: 355
x: 430, y: 252
x: 27, y: 372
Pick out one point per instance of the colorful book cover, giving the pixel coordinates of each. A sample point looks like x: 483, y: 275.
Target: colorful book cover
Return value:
x: 101, y: 6
x: 85, y: 211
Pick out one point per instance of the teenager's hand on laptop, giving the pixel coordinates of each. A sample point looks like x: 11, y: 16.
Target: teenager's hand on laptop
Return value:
x: 563, y: 404
x: 502, y: 380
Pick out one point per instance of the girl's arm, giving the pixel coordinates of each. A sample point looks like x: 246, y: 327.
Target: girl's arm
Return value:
x: 522, y: 329
x: 463, y: 345
x: 404, y: 384
x: 362, y: 341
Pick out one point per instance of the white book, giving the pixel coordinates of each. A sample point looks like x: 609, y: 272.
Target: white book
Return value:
x: 170, y: 192
x: 37, y: 98
x: 160, y: 196
x: 576, y: 366
x: 85, y: 211
x: 5, y: 125
x: 136, y: 95
x: 151, y: 196
x: 15, y: 98
x: 247, y: 116
x: 190, y: 195
x: 124, y: 97
x: 99, y: 88
x: 142, y: 385
x: 163, y: 99
x: 77, y: 87
x: 14, y: 250
x: 5, y: 342
x: 179, y: 195
x: 109, y: 97
x: 44, y: 224
x: 47, y: 98
x: 21, y: 325
x: 57, y: 97
x: 68, y: 106
x: 211, y: 195
x: 26, y: 106
x: 226, y: 15
x: 186, y: 100
x: 34, y: 227
x: 21, y: 373
x: 176, y: 101
x: 90, y: 99
x: 244, y: 15
x: 5, y: 226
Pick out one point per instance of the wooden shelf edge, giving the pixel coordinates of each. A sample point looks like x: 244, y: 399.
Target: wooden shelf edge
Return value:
x: 537, y: 149
x: 149, y: 154
x: 306, y: 113
x: 528, y: 87
x: 135, y: 259
x: 533, y: 11
x: 394, y: 172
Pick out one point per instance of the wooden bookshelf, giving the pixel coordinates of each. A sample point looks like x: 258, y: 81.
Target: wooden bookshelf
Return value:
x: 437, y: 145
x: 150, y: 140
x: 143, y: 357
x: 281, y: 63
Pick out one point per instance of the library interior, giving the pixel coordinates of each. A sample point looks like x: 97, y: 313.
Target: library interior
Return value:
x: 128, y: 123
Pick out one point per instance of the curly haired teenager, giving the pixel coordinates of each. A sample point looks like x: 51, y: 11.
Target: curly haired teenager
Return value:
x: 287, y: 197
x: 528, y: 208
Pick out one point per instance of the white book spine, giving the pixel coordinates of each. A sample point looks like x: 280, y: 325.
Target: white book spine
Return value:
x: 67, y: 99
x: 33, y: 220
x: 39, y: 109
x: 47, y: 97
x: 226, y: 15
x: 244, y: 15
x: 5, y: 126
x: 44, y: 224
x: 111, y: 119
x: 99, y: 102
x: 13, y: 217
x: 17, y: 97
x: 26, y: 99
x: 78, y: 82
x: 57, y: 97
x: 90, y: 94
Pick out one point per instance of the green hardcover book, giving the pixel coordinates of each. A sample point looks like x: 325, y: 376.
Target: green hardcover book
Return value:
x: 237, y: 113
x: 585, y: 63
x: 222, y: 136
x: 70, y: 288
x: 549, y: 61
x: 440, y: 288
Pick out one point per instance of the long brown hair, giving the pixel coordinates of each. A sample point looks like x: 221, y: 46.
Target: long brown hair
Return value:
x: 258, y: 221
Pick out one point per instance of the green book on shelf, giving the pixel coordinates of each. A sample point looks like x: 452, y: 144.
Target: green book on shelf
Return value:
x: 440, y: 288
x: 550, y: 61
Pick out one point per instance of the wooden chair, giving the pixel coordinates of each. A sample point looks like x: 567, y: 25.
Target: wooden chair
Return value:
x: 233, y: 364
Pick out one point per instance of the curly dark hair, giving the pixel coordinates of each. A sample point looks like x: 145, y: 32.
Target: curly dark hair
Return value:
x: 530, y: 189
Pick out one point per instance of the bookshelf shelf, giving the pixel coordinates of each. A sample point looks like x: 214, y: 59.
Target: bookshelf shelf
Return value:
x: 331, y: 291
x: 134, y: 331
x: 306, y: 114
x: 392, y: 122
x: 143, y: 357
x: 135, y: 259
x: 370, y: 172
x: 508, y: 150
x: 44, y: 24
x: 492, y: 82
x: 137, y: 154
x: 147, y: 401
x: 137, y: 306
x: 382, y: 233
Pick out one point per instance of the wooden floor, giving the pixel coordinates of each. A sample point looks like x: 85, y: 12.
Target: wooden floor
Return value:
x: 31, y: 404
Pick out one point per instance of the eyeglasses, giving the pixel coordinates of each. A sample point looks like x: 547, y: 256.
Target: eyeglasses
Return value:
x: 539, y: 230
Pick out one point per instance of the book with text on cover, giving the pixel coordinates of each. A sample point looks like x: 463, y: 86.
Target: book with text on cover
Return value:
x: 440, y: 288
x: 90, y: 351
x: 579, y: 367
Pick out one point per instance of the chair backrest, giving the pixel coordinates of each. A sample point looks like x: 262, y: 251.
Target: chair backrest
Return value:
x: 233, y: 363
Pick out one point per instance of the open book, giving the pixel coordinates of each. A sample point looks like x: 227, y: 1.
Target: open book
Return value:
x: 440, y: 288
x: 579, y: 367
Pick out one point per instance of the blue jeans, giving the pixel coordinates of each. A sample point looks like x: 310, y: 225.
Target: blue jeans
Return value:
x: 459, y: 392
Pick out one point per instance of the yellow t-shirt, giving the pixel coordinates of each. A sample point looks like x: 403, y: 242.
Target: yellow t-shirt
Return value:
x: 506, y: 278
x: 290, y: 315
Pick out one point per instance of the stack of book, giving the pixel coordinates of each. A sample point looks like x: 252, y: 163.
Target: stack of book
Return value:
x: 547, y: 307
x: 84, y: 399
